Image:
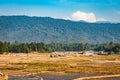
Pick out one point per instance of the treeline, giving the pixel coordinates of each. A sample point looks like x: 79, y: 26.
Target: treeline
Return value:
x: 17, y: 47
x: 110, y: 47
x: 69, y: 47
x: 22, y: 47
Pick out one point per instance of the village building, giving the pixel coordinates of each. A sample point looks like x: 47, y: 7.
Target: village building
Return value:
x: 89, y: 53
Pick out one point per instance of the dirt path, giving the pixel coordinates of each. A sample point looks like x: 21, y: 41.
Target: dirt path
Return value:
x: 98, y: 77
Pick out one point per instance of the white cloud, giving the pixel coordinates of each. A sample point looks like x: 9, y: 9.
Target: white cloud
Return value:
x: 67, y: 18
x: 101, y: 19
x: 78, y: 15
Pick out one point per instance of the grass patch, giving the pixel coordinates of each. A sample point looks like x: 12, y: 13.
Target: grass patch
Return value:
x: 45, y: 64
x: 42, y: 64
x: 12, y: 68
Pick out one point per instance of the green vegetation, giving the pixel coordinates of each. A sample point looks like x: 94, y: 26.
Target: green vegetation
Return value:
x: 48, y: 30
x: 17, y: 47
x: 110, y: 47
x: 22, y: 47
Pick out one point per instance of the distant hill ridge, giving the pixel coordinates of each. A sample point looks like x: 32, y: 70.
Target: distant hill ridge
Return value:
x: 46, y: 29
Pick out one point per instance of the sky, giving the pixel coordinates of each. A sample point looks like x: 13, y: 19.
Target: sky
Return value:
x: 76, y: 10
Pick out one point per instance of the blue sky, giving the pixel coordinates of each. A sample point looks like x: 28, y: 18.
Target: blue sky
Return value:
x: 89, y: 10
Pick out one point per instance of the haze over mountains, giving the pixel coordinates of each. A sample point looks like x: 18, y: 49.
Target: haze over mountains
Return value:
x: 48, y: 30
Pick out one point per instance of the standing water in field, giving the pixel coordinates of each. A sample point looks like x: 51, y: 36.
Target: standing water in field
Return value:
x: 69, y: 76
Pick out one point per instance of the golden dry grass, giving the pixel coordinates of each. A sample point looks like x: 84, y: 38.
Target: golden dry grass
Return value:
x: 37, y: 63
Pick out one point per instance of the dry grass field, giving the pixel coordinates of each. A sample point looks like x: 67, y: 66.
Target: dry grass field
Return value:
x: 21, y: 65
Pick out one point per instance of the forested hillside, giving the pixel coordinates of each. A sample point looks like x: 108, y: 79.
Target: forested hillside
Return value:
x: 48, y: 30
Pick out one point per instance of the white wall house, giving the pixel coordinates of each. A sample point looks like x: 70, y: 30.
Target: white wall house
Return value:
x: 89, y: 53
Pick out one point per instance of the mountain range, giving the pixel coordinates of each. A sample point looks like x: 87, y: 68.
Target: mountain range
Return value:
x: 48, y: 30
